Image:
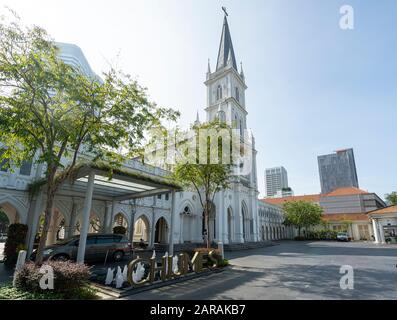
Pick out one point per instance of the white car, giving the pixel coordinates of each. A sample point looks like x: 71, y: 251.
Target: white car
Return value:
x: 343, y: 236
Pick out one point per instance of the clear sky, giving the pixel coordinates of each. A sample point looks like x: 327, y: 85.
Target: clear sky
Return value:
x: 312, y: 87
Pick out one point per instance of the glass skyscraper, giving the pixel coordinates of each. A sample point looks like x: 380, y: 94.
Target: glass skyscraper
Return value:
x: 337, y: 170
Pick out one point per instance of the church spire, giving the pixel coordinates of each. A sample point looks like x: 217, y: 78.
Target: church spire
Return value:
x: 241, y: 70
x: 197, y: 122
x: 226, y: 51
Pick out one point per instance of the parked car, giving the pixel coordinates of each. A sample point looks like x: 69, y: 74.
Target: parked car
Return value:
x: 98, y: 246
x: 343, y: 236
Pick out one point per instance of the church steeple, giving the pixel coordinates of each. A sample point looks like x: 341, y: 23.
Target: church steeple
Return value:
x: 226, y: 51
x: 226, y: 86
x: 197, y: 122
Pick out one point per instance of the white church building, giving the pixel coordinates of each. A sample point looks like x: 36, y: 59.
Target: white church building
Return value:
x: 238, y: 218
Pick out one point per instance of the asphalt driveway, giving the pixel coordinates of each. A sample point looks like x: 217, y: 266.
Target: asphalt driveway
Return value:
x: 295, y: 270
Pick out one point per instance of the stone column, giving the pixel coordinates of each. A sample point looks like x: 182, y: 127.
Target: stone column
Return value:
x: 86, y: 217
x: 376, y: 231
x: 171, y: 235
x: 238, y: 222
x: 256, y: 233
x: 132, y: 223
x: 104, y: 227
x: 113, y: 213
x: 381, y: 232
x: 152, y: 230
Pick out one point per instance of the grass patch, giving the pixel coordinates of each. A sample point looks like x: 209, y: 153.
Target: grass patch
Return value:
x: 8, y: 292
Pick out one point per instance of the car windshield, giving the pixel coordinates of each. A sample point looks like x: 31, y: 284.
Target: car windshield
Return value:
x: 342, y: 234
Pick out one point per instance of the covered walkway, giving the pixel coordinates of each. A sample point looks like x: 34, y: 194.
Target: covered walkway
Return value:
x: 100, y: 182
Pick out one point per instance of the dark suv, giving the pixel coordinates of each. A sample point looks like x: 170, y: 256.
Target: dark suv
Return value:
x: 98, y: 247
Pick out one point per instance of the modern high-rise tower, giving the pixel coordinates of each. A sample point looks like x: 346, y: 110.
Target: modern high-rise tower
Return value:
x: 337, y: 170
x: 276, y: 179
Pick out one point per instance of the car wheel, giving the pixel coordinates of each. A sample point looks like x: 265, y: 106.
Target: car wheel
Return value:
x: 61, y: 257
x: 118, y: 256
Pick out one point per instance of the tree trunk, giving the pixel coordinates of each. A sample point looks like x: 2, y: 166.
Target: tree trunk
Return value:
x: 206, y: 224
x: 47, y: 216
x: 299, y: 231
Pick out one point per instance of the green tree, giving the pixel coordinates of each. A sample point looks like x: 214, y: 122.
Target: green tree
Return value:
x: 52, y: 109
x: 207, y: 178
x: 391, y: 198
x: 302, y: 214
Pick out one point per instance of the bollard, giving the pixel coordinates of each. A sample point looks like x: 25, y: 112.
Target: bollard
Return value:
x: 220, y: 248
x: 20, y: 263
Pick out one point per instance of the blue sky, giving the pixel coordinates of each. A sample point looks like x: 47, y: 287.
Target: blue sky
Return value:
x: 312, y: 87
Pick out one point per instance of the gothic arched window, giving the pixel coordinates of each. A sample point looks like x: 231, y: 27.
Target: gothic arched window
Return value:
x: 237, y: 94
x: 219, y: 92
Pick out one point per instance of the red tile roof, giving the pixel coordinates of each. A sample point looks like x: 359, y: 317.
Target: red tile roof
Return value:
x: 347, y: 191
x: 280, y: 201
x: 390, y: 209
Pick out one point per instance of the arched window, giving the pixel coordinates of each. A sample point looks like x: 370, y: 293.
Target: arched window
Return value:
x: 219, y: 92
x: 237, y: 94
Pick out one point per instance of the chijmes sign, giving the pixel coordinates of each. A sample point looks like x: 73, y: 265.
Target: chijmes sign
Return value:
x: 142, y: 271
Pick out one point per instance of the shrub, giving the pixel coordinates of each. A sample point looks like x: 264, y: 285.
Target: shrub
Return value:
x: 318, y: 235
x: 68, y: 277
x: 15, y: 242
x: 207, y: 250
x: 223, y: 263
x: 119, y: 230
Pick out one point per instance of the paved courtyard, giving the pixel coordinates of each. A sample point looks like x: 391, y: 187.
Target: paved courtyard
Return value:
x: 295, y: 270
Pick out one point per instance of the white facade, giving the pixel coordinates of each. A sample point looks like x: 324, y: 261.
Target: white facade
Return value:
x: 384, y: 223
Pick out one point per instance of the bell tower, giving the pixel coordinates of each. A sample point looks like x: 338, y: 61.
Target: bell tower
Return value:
x: 226, y: 85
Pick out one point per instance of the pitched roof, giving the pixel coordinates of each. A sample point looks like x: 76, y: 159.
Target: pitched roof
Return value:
x: 390, y: 209
x: 344, y: 216
x: 226, y: 51
x: 346, y: 191
x: 280, y: 201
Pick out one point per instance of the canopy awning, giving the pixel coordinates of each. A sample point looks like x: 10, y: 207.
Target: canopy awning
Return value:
x: 116, y: 184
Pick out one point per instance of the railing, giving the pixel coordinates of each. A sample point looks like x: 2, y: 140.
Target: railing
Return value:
x: 11, y: 180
